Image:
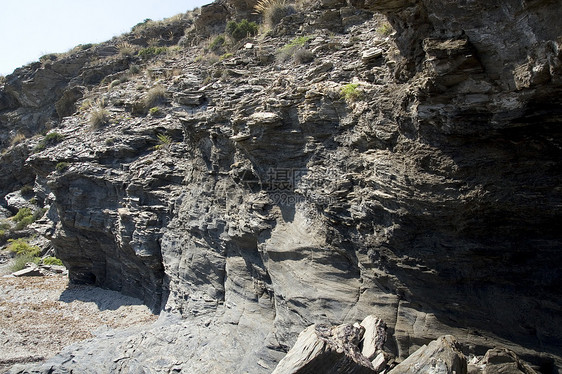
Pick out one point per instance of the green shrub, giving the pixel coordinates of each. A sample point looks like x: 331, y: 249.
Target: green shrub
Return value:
x: 155, y: 111
x: 99, y: 117
x: 217, y: 43
x: 141, y: 25
x: 22, y: 214
x: 134, y: 69
x: 225, y: 56
x: 27, y: 190
x: 23, y: 217
x: 290, y: 49
x: 164, y: 141
x: 39, y: 213
x: 52, y: 261
x: 50, y: 139
x: 241, y: 30
x: 299, y: 41
x: 53, y: 138
x: 152, y: 51
x: 384, y: 29
x: 62, y: 166
x: 273, y: 11
x: 24, y: 223
x: 350, y: 92
x: 21, y: 260
x: 22, y: 247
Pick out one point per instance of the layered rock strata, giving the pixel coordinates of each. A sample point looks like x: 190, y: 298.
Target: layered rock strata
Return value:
x: 428, y: 196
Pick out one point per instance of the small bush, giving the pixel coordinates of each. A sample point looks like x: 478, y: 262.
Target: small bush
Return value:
x: 142, y: 25
x: 350, y: 92
x: 24, y: 223
x: 241, y: 30
x: 299, y: 41
x: 49, y: 57
x: 62, y: 166
x: 134, y: 69
x: 39, y: 213
x: 384, y: 29
x: 297, y: 44
x: 50, y: 139
x: 303, y: 56
x: 26, y: 190
x: 22, y: 214
x: 126, y: 49
x: 217, y: 43
x: 273, y: 11
x: 99, y: 118
x: 164, y: 141
x: 53, y: 138
x: 155, y: 96
x: 52, y: 261
x: 21, y: 260
x: 17, y: 139
x: 152, y: 51
x: 155, y: 111
x: 207, y: 59
x: 23, y: 217
x: 225, y: 56
x: 22, y: 247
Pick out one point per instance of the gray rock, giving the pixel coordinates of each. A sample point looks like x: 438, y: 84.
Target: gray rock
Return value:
x: 31, y: 270
x: 441, y: 356
x: 500, y: 360
x: 427, y: 201
x: 15, y: 201
x: 374, y: 337
x: 321, y: 349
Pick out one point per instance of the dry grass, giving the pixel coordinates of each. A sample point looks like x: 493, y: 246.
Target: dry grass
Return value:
x: 18, y: 138
x: 273, y: 11
x: 127, y: 49
x: 99, y: 117
x: 155, y: 96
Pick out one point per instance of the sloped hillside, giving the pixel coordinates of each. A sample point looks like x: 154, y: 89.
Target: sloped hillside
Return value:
x: 392, y: 158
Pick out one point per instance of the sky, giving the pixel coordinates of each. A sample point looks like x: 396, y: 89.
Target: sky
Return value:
x: 30, y: 29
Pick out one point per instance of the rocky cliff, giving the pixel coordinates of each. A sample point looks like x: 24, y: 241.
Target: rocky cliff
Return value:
x: 397, y: 158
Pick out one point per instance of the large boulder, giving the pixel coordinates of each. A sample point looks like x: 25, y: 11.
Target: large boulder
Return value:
x: 324, y: 349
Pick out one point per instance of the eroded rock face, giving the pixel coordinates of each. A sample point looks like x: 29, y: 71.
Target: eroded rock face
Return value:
x: 428, y: 198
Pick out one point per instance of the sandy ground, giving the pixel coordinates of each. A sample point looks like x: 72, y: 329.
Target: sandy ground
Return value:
x: 41, y: 315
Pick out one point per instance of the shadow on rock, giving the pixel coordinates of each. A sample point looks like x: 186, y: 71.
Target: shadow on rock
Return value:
x: 104, y: 299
